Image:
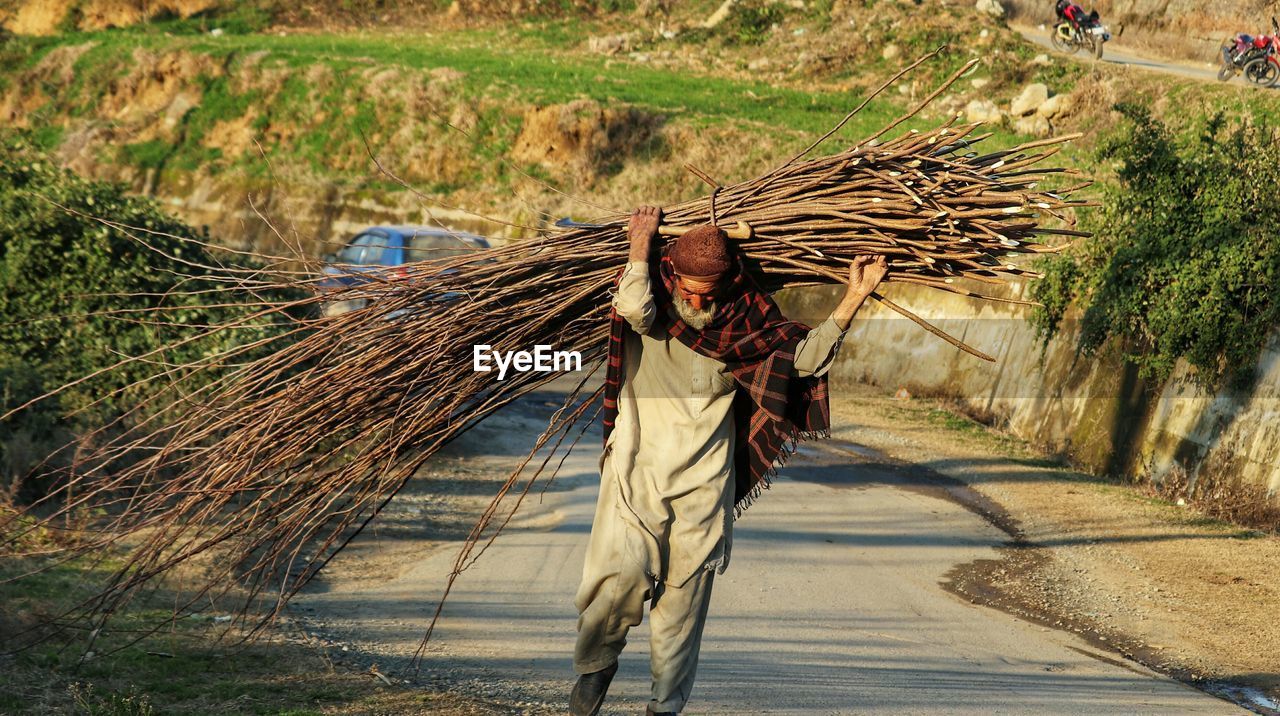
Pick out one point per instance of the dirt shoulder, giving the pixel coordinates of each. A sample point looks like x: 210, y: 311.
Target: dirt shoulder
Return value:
x: 1161, y: 584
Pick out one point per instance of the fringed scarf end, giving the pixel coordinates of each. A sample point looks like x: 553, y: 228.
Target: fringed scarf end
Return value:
x: 789, y: 447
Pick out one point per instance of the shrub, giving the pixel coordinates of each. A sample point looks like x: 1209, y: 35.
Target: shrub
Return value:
x: 1185, y: 257
x: 752, y: 21
x: 31, y: 436
x: 70, y: 286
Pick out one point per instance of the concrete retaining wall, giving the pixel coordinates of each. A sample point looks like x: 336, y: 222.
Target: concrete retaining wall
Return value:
x: 1094, y: 409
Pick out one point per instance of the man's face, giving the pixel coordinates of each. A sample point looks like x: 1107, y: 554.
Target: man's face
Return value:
x: 695, y: 300
x: 699, y: 294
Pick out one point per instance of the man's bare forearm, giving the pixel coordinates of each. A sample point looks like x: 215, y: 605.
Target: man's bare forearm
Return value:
x: 847, y: 308
x: 641, y: 229
x: 639, y: 251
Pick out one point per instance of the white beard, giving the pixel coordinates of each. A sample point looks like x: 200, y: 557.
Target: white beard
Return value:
x: 697, y: 320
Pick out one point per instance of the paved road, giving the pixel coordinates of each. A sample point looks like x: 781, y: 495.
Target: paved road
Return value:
x: 1118, y: 55
x: 832, y: 605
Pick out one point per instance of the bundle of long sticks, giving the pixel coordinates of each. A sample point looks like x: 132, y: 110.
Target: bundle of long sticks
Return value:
x: 281, y: 461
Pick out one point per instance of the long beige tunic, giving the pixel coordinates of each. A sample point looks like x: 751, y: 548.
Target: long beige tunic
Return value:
x: 671, y: 450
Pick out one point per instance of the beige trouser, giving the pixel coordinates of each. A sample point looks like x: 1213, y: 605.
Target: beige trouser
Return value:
x: 611, y: 600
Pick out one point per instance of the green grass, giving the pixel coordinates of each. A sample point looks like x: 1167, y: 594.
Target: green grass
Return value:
x: 150, y: 154
x: 503, y: 71
x: 513, y: 72
x: 955, y: 422
x: 989, y: 437
x: 501, y: 74
x: 47, y: 136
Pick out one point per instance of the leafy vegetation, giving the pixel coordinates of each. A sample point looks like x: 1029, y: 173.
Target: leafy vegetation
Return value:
x: 1185, y: 259
x: 67, y: 283
x: 752, y: 21
x: 70, y: 289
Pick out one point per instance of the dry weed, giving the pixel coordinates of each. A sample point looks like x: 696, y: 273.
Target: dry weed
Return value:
x: 1218, y: 495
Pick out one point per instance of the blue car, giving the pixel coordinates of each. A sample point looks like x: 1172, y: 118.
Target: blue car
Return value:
x: 384, y: 248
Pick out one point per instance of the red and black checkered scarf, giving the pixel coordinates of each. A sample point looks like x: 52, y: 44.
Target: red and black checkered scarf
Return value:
x: 773, y: 409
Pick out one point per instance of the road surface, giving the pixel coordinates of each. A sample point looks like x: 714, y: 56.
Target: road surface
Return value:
x: 833, y: 604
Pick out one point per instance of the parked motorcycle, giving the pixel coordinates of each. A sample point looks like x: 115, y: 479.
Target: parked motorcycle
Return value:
x: 1087, y: 34
x: 1257, y: 58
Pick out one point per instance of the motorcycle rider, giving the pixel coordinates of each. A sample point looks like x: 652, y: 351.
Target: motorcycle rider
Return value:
x: 1073, y: 18
x: 1070, y: 12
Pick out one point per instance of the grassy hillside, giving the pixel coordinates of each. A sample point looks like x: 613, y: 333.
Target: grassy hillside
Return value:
x: 604, y: 102
x: 168, y: 105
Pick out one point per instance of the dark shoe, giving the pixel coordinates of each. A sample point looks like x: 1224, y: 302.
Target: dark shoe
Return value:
x: 648, y: 711
x: 588, y: 693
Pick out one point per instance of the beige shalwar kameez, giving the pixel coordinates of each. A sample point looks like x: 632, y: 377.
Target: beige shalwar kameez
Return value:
x: 663, y: 523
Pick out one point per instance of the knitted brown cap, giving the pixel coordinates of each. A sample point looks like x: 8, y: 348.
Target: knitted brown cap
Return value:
x: 701, y: 253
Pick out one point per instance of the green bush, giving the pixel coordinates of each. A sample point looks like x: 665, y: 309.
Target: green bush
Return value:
x: 752, y: 21
x: 32, y: 436
x: 1185, y: 259
x: 70, y: 288
x: 240, y: 18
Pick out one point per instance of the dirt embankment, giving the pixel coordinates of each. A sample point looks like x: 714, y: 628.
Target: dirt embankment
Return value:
x: 49, y: 17
x: 200, y: 128
x: 1192, y: 16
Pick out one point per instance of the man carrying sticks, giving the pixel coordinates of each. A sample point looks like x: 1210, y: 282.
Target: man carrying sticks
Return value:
x: 708, y: 387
